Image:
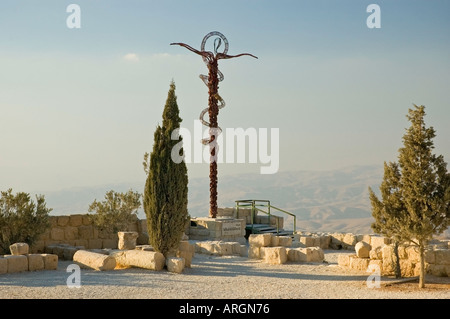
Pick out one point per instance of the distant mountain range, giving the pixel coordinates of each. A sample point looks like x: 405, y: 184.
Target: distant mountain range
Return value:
x: 327, y: 201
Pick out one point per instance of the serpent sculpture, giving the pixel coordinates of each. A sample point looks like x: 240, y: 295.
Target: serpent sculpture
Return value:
x: 215, y: 102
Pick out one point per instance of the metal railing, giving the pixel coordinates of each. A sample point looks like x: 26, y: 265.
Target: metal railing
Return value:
x: 254, y: 204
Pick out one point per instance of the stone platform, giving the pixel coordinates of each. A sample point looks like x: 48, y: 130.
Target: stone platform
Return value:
x: 221, y: 228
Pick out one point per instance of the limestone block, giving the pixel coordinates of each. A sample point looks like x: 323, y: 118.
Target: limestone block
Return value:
x: 254, y: 252
x: 285, y: 241
x: 58, y: 250
x: 387, y: 252
x: 378, y: 241
x: 109, y: 243
x: 50, y: 261
x: 70, y: 232
x: 388, y: 257
x: 87, y: 220
x: 223, y: 249
x: 325, y: 241
x: 49, y: 249
x: 19, y: 249
x: 143, y: 238
x: 290, y: 253
x: 275, y: 240
x: 364, y: 238
x: 349, y: 239
x: 262, y: 252
x: 378, y: 263
x: 63, y: 221
x: 3, y: 265
x: 76, y: 220
x: 175, y: 264
x: 308, y: 252
x: 344, y: 260
x: 127, y: 240
x: 206, y: 247
x: 336, y: 241
x: 430, y: 256
x: 53, y: 220
x: 236, y: 248
x: 375, y: 253
x: 413, y: 253
x: 357, y: 263
x: 185, y: 246
x: 407, y: 268
x: 68, y: 252
x: 402, y: 254
x: 45, y: 235
x: 308, y: 241
x: 139, y: 258
x: 362, y: 249
x: 275, y: 255
x: 35, y: 262
x: 92, y: 260
x: 17, y: 263
x: 187, y: 256
x: 296, y: 254
x: 86, y: 231
x: 442, y: 257
x: 260, y: 240
x: 95, y: 243
x: 225, y: 212
x: 439, y: 270
x: 316, y: 254
x: 57, y: 233
x: 316, y: 241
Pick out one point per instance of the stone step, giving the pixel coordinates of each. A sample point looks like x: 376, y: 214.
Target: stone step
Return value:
x: 264, y: 228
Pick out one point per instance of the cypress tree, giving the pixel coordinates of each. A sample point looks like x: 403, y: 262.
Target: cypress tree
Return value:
x: 388, y: 211
x: 415, y: 201
x: 166, y: 189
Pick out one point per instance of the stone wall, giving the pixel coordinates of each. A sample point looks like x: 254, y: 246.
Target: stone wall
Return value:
x: 274, y: 249
x: 20, y: 260
x: 338, y: 241
x: 437, y: 259
x: 78, y: 230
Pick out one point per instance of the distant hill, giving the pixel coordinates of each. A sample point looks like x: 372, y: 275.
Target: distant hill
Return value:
x: 322, y: 200
x: 335, y: 200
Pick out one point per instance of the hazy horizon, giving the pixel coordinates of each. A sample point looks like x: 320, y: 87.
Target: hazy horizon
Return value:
x: 79, y: 106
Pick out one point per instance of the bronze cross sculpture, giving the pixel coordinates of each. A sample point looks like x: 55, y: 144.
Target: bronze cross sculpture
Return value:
x: 212, y: 82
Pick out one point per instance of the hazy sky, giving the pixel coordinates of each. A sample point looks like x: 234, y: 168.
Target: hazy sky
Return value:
x: 78, y: 107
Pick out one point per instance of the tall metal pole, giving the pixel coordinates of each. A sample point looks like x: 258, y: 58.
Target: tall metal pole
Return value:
x: 215, y: 102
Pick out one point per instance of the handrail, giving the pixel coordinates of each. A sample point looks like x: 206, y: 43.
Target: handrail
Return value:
x: 254, y: 207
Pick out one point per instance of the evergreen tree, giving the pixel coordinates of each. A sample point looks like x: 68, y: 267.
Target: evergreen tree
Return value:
x: 166, y: 189
x: 388, y: 211
x: 415, y: 201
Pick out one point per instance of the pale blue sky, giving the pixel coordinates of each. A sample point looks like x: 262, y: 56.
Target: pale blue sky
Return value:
x: 76, y: 112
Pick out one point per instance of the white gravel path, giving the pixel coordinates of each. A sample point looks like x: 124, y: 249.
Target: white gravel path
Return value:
x: 210, y: 277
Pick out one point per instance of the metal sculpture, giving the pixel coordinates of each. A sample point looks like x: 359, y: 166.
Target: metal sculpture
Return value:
x: 215, y: 102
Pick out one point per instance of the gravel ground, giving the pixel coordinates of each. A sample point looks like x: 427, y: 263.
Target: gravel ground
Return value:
x: 213, y: 277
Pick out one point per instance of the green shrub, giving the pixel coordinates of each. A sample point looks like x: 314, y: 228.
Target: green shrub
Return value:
x: 21, y: 219
x: 116, y: 212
